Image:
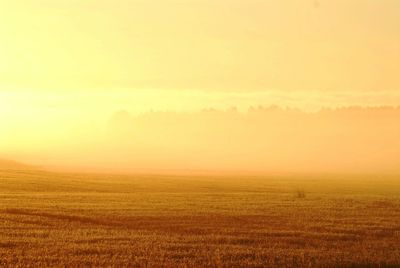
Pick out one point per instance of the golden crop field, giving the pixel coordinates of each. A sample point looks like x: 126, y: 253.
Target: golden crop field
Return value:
x: 68, y: 220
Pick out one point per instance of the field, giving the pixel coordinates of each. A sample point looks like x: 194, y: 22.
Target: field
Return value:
x: 58, y: 220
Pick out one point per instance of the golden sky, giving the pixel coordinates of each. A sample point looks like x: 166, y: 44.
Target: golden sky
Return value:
x: 201, y: 44
x: 67, y: 65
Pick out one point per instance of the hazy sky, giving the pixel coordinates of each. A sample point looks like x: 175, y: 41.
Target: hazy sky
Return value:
x: 67, y: 65
x: 201, y: 44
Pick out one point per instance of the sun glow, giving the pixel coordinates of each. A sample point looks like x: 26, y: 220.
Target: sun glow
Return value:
x: 66, y: 67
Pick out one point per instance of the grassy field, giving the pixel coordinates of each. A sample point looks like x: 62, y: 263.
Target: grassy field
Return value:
x: 50, y: 219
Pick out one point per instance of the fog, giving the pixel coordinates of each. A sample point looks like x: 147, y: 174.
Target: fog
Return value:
x: 260, y: 140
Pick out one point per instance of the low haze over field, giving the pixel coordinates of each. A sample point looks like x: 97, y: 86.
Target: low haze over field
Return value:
x: 260, y: 140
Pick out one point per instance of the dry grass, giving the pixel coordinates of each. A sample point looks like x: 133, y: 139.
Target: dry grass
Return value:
x: 63, y: 220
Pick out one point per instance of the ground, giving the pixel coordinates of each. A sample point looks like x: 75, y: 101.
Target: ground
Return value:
x: 54, y: 219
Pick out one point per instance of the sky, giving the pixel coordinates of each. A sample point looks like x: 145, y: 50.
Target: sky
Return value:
x: 67, y: 66
x: 201, y: 44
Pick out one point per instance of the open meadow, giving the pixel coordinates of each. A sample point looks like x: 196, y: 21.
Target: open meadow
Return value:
x: 59, y: 220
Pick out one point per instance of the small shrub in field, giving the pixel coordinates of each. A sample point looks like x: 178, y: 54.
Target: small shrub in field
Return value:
x: 300, y: 194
